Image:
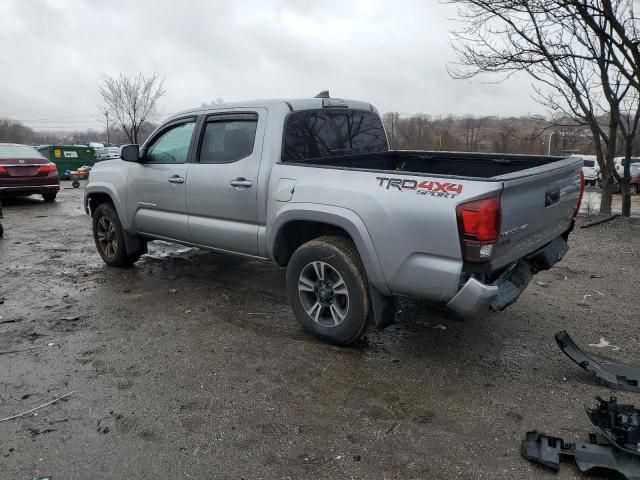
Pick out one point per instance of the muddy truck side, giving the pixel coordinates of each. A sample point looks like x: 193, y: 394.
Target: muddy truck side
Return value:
x: 313, y: 186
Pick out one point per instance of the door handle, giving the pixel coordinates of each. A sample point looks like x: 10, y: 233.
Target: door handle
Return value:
x: 176, y: 179
x: 241, y: 183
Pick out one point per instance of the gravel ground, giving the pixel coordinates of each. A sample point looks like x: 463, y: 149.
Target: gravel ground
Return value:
x: 190, y: 365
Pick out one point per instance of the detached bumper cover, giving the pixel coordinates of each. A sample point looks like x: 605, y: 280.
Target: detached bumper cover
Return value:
x: 477, y: 298
x: 545, y: 450
x: 619, y: 424
x: 612, y: 375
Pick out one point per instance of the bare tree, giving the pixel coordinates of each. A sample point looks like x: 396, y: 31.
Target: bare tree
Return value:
x: 472, y: 128
x: 132, y: 101
x: 575, y: 51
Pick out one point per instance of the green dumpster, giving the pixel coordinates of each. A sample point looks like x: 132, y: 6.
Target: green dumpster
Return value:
x: 68, y: 157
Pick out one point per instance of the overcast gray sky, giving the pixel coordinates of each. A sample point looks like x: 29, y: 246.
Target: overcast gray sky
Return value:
x: 391, y: 53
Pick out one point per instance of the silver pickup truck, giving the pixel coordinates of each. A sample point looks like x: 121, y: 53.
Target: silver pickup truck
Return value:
x: 312, y: 185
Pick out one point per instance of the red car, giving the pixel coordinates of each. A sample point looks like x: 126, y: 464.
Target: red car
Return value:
x: 24, y: 171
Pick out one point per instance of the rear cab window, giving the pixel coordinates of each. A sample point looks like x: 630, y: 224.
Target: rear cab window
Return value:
x: 589, y: 163
x: 321, y: 133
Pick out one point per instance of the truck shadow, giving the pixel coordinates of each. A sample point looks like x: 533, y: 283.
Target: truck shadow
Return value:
x: 251, y: 295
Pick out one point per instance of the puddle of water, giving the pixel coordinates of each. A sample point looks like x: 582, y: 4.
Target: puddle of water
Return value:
x: 591, y: 202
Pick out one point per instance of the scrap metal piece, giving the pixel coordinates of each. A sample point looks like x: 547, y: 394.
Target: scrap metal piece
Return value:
x: 612, y: 375
x: 619, y: 424
x: 545, y: 450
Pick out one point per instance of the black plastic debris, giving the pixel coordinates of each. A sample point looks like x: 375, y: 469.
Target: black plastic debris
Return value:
x: 612, y: 375
x: 592, y: 456
x: 619, y: 424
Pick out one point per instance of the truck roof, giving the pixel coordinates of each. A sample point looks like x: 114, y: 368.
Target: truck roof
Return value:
x: 293, y: 104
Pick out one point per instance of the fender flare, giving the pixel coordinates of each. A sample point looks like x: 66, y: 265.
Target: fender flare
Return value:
x: 109, y: 190
x: 133, y: 243
x: 340, y: 217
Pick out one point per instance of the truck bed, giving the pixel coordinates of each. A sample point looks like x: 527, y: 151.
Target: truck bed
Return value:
x: 447, y: 164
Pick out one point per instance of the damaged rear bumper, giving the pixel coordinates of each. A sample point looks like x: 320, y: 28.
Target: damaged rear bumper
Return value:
x: 477, y: 298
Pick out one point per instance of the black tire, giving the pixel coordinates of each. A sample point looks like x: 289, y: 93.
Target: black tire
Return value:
x: 49, y: 196
x: 75, y: 184
x: 106, y: 228
x: 1, y: 231
x: 635, y: 189
x: 344, y: 264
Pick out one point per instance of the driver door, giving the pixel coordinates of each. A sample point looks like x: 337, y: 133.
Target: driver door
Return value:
x: 156, y: 187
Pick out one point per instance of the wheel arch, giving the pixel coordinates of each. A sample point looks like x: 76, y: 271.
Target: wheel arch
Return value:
x: 98, y: 194
x: 300, y: 223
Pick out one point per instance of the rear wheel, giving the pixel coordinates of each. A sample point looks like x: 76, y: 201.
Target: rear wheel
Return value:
x: 635, y: 189
x: 49, y: 196
x: 328, y: 290
x: 109, y: 237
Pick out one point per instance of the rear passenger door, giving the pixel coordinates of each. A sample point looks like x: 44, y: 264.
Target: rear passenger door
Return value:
x: 222, y: 183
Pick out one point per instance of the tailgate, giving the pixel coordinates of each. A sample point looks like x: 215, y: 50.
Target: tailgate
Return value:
x: 538, y: 205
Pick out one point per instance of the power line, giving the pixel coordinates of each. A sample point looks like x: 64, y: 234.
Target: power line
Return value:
x: 50, y: 118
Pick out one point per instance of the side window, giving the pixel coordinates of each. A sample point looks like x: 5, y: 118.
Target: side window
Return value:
x: 173, y: 145
x: 228, y: 140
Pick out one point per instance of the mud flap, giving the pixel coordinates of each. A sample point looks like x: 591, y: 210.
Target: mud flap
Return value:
x: 383, y: 309
x: 134, y: 245
x: 612, y: 375
x: 546, y: 450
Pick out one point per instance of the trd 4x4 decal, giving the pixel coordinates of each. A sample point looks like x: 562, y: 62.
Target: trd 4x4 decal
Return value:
x: 425, y: 187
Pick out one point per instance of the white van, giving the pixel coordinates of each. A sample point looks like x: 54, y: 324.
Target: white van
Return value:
x: 590, y: 169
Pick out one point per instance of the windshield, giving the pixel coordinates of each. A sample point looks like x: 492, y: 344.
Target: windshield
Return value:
x: 19, y: 151
x: 635, y: 169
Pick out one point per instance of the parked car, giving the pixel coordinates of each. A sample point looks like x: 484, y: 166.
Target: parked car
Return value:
x: 312, y: 186
x: 634, y: 181
x: 618, y: 163
x: 590, y: 169
x: 24, y: 171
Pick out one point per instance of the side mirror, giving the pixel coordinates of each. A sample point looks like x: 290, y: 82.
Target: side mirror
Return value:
x: 130, y: 153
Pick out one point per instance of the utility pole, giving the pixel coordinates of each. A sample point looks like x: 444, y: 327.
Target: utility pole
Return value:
x: 392, y: 129
x: 549, y: 147
x: 106, y: 114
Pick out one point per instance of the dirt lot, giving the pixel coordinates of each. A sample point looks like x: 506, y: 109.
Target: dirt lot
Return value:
x: 190, y: 365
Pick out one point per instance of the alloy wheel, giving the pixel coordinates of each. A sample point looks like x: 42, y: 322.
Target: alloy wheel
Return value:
x: 323, y: 294
x: 107, y: 238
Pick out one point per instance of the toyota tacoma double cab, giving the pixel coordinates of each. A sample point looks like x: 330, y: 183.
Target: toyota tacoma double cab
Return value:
x: 312, y: 185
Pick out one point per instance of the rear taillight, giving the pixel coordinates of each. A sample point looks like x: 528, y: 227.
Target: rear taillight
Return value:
x: 575, y: 214
x: 49, y: 167
x: 3, y: 170
x: 479, y: 228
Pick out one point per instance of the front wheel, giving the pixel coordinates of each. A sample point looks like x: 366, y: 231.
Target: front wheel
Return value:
x: 328, y: 290
x: 635, y: 189
x: 109, y: 237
